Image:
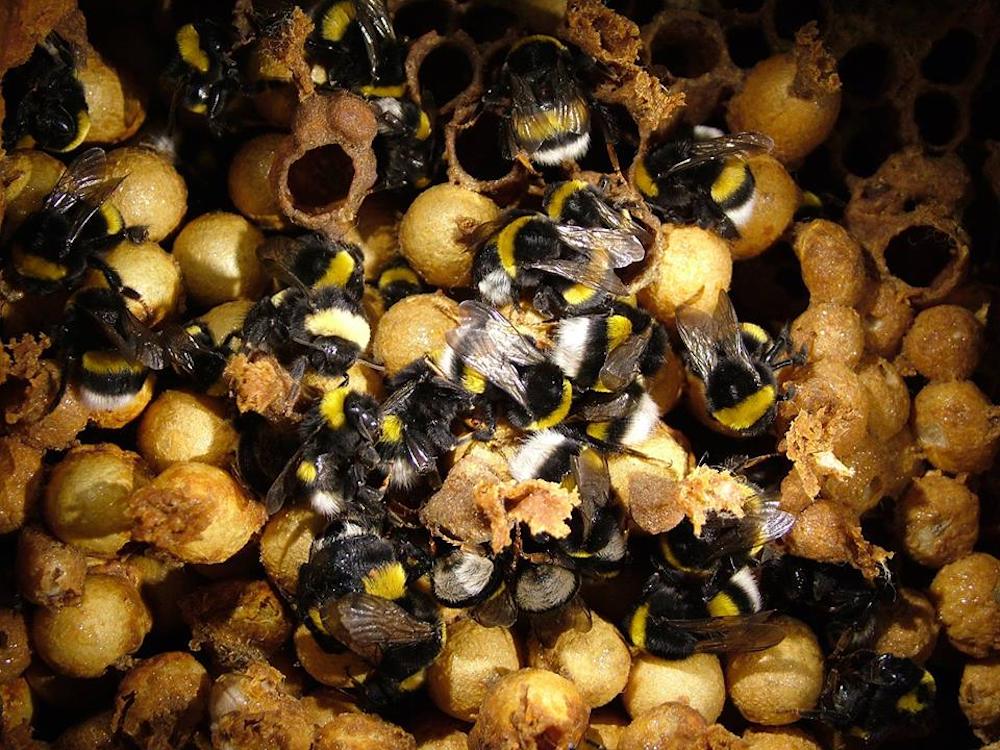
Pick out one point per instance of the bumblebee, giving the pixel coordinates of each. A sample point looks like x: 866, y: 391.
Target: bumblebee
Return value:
x: 874, y: 697
x: 416, y: 423
x: 835, y: 599
x: 617, y: 420
x: 353, y: 46
x: 539, y: 395
x: 404, y: 148
x: 107, y: 348
x: 337, y: 455
x: 724, y: 537
x: 204, y: 70
x: 356, y: 591
x: 578, y: 202
x: 547, y: 115
x: 313, y: 261
x: 703, y: 179
x: 675, y: 619
x: 54, y: 246
x: 733, y: 386
x: 608, y: 351
x: 521, y: 251
x: 396, y: 281
x: 204, y: 346
x: 46, y: 106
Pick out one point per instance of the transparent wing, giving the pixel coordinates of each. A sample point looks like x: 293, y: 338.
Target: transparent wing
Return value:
x: 605, y: 409
x: 129, y: 336
x: 758, y: 526
x: 516, y: 346
x: 481, y: 353
x: 498, y: 610
x: 376, y: 31
x: 85, y: 179
x: 733, y: 634
x: 369, y: 625
x: 721, y: 147
x: 594, y: 273
x: 707, y: 336
x: 622, y: 363
x: 622, y: 248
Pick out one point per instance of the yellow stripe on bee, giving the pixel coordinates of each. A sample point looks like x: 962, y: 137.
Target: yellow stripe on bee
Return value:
x: 306, y: 472
x: 36, y: 267
x: 473, y: 380
x: 755, y: 332
x: 542, y: 124
x: 599, y: 430
x: 194, y: 329
x: 399, y: 273
x: 577, y: 294
x: 506, y: 244
x: 113, y: 220
x: 619, y: 329
x: 414, y: 681
x: 668, y: 554
x: 637, y: 626
x: 423, y: 127
x: 558, y: 414
x: 392, y: 429
x: 644, y: 181
x: 317, y: 620
x: 560, y: 196
x: 915, y: 701
x: 748, y: 411
x: 109, y: 363
x: 341, y: 323
x: 722, y: 605
x: 336, y: 20
x: 189, y: 47
x: 338, y: 270
x: 393, y: 92
x: 536, y: 38
x: 386, y: 581
x: 331, y: 407
x: 82, y: 128
x: 734, y: 174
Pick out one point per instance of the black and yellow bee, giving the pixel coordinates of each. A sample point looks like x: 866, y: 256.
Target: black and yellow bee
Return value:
x: 204, y: 70
x: 574, y: 266
x: 54, y: 246
x: 703, y: 179
x: 405, y: 147
x: 675, y: 619
x: 396, y: 281
x: 875, y: 697
x: 724, y: 537
x: 616, y: 420
x: 581, y: 203
x: 734, y: 388
x: 538, y: 393
x: 538, y: 94
x: 354, y: 46
x: 336, y: 458
x: 204, y: 345
x: 107, y: 348
x: 357, y: 591
x: 46, y: 106
x: 314, y: 261
x: 607, y: 351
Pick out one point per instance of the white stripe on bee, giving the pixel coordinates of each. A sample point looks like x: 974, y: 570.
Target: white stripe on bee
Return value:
x: 641, y: 421
x: 326, y: 503
x: 104, y: 401
x: 572, y: 337
x: 470, y: 576
x: 741, y: 214
x: 706, y: 133
x: 557, y: 153
x: 529, y: 459
x: 744, y: 581
x: 496, y: 287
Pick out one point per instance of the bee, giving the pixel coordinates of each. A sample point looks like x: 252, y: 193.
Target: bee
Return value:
x: 731, y: 369
x: 674, y: 619
x: 354, y: 46
x: 874, y: 697
x: 46, y: 106
x: 396, y: 281
x: 836, y: 599
x: 724, y: 537
x: 617, y: 420
x: 405, y: 147
x: 606, y: 351
x: 337, y: 454
x: 416, y: 423
x: 107, y: 348
x: 547, y: 114
x: 316, y: 322
x: 356, y: 591
x: 521, y: 251
x: 596, y: 542
x: 205, y: 345
x: 204, y: 70
x: 580, y: 203
x: 487, y: 343
x: 703, y: 179
x: 54, y: 246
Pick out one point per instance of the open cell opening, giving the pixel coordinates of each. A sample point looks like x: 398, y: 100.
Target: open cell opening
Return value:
x: 321, y: 178
x: 445, y: 73
x: 747, y: 45
x: 865, y: 71
x: 479, y: 150
x: 792, y: 15
x: 417, y: 18
x: 951, y: 57
x: 919, y: 254
x: 937, y: 117
x: 486, y: 23
x: 873, y: 143
x: 685, y: 49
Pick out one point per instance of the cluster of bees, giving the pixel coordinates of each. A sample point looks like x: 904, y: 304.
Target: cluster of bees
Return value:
x: 374, y: 584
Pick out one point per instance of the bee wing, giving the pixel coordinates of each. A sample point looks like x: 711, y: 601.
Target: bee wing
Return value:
x: 590, y: 469
x: 416, y: 453
x: 622, y: 363
x: 276, y: 255
x: 516, y: 346
x: 478, y: 351
x: 498, y: 610
x: 543, y: 587
x: 605, y: 410
x: 462, y: 577
x: 757, y: 527
x: 621, y: 248
x: 129, y: 336
x: 181, y: 348
x: 705, y: 336
x: 376, y: 30
x: 85, y: 179
x: 280, y: 488
x: 369, y: 625
x: 733, y: 634
x: 595, y: 273
x: 703, y: 151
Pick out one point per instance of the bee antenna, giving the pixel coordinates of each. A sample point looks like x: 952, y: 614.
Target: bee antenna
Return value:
x: 378, y: 367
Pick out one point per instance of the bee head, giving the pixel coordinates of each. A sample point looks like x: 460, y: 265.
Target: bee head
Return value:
x: 362, y: 413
